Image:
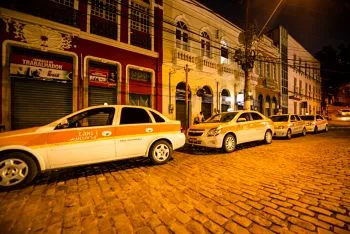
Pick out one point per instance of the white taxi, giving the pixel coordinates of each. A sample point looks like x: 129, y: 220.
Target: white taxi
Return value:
x: 315, y: 123
x: 287, y: 125
x: 92, y: 135
x: 227, y: 129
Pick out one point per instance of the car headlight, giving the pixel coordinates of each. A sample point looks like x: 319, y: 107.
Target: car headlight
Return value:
x: 214, y: 131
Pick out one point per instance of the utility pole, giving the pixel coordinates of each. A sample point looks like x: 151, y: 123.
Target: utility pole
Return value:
x: 170, y: 107
x: 187, y: 70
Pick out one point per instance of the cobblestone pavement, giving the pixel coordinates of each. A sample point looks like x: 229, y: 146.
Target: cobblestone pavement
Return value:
x: 291, y: 186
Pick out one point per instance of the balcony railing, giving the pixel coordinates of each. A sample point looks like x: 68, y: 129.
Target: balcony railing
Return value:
x: 207, y: 65
x: 45, y: 9
x: 226, y: 69
x: 183, y: 57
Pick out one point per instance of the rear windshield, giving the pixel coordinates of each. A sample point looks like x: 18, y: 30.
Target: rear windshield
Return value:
x: 279, y: 118
x: 222, y: 117
x: 307, y: 117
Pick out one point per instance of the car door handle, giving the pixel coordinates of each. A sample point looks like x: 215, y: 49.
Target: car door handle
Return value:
x: 149, y: 129
x: 106, y: 133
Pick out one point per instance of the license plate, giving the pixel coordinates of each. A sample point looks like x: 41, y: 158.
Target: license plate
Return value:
x: 194, y: 141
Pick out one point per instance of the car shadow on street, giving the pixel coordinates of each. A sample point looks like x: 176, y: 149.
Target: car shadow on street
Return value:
x: 198, y: 150
x: 66, y: 174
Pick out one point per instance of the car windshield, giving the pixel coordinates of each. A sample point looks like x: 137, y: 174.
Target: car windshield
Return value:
x: 307, y: 117
x: 279, y: 118
x: 345, y: 110
x: 222, y: 117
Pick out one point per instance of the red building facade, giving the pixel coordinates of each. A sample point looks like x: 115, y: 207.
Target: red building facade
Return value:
x: 61, y: 56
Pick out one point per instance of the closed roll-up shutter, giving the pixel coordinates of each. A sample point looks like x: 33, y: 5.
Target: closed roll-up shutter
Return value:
x: 101, y: 95
x: 38, y: 102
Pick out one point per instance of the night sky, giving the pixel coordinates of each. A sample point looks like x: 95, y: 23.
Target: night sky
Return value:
x: 313, y: 23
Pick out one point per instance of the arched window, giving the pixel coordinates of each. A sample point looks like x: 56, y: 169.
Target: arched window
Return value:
x: 182, y: 41
x: 205, y: 45
x: 224, y: 53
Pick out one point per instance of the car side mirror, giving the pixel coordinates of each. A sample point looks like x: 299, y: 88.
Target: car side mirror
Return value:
x: 241, y: 120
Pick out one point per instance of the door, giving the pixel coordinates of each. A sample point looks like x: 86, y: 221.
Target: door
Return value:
x: 258, y: 126
x: 244, y: 132
x: 135, y: 132
x: 86, y: 137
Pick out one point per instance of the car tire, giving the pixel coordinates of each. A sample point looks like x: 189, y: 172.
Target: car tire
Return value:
x: 16, y: 170
x: 326, y: 128
x: 316, y: 130
x: 229, y: 143
x: 268, y: 137
x: 289, y: 134
x: 304, y: 132
x: 160, y: 152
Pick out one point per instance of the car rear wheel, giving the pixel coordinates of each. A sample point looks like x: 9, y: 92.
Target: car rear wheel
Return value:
x: 229, y: 143
x: 160, y: 152
x: 316, y: 130
x: 289, y: 134
x: 268, y: 137
x: 304, y: 132
x: 16, y: 170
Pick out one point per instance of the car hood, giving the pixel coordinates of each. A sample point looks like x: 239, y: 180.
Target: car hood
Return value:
x: 24, y: 137
x: 206, y: 125
x: 18, y: 132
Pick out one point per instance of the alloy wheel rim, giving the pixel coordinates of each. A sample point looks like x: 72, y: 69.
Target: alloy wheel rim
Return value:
x: 12, y: 171
x: 161, y: 152
x: 268, y: 137
x: 230, y: 142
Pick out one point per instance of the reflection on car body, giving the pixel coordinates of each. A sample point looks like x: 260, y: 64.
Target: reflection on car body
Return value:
x: 315, y: 123
x: 287, y: 125
x: 92, y: 135
x: 227, y: 129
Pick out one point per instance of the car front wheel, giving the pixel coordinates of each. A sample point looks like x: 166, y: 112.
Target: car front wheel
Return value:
x: 268, y: 137
x: 16, y: 169
x: 326, y: 128
x: 316, y: 130
x: 160, y: 152
x: 289, y: 134
x: 304, y: 132
x: 229, y: 143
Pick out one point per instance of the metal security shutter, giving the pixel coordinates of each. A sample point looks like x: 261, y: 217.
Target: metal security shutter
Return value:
x: 101, y: 95
x: 38, y: 102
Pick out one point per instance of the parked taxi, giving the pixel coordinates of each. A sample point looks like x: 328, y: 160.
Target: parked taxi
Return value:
x: 92, y: 135
x: 315, y: 123
x: 287, y: 125
x: 227, y: 129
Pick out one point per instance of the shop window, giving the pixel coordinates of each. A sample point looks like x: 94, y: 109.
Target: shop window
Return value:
x: 139, y: 75
x: 101, y: 74
x: 139, y: 99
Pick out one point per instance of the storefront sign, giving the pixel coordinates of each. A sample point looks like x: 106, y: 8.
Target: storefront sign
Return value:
x: 102, y: 77
x: 240, y: 99
x: 30, y: 67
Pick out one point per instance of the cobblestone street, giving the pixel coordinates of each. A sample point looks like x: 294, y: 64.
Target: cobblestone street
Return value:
x: 300, y: 185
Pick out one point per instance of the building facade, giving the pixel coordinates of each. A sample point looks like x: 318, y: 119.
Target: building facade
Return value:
x: 198, y: 46
x: 301, y: 80
x: 61, y: 56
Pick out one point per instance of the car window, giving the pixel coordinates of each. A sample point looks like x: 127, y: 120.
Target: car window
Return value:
x: 297, y: 117
x: 256, y: 116
x: 292, y: 118
x: 133, y: 115
x: 245, y: 115
x: 94, y: 117
x: 319, y: 117
x: 222, y: 117
x: 157, y: 117
x: 279, y: 118
x: 307, y: 117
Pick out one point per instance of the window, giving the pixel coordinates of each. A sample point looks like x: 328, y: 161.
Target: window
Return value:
x: 205, y: 45
x: 306, y: 89
x: 245, y: 116
x: 224, y: 53
x: 268, y: 70
x: 157, y: 117
x: 300, y: 86
x: 256, y: 116
x: 182, y: 41
x: 140, y: 24
x: 132, y: 115
x: 294, y: 61
x: 295, y: 85
x: 94, y: 117
x: 103, y: 19
x: 106, y: 9
x: 299, y: 69
x: 69, y: 3
x: 140, y: 99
